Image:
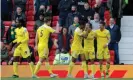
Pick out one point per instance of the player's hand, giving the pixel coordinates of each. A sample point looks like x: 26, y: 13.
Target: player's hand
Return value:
x: 105, y: 46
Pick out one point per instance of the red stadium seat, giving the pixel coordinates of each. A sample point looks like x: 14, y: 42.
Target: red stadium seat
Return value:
x: 30, y: 18
x: 31, y: 2
x: 52, y: 53
x: 30, y: 13
x: 27, y: 7
x: 7, y: 23
x: 31, y: 7
x: 55, y: 18
x: 54, y: 23
x: 31, y: 41
x: 51, y: 58
x: 112, y: 55
x: 32, y: 34
x: 30, y: 28
x: 30, y: 23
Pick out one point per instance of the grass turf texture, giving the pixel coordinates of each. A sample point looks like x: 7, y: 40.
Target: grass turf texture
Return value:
x: 65, y: 79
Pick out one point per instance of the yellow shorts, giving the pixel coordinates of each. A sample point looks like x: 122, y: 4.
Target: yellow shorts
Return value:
x: 103, y: 54
x: 22, y: 51
x: 43, y: 52
x: 90, y: 54
x: 75, y: 54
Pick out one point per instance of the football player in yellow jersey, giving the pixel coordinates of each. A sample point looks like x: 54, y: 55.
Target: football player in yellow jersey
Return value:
x: 77, y: 49
x: 41, y: 45
x: 21, y: 47
x: 89, y: 46
x: 103, y: 39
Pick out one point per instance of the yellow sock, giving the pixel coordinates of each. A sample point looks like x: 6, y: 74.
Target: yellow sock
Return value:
x: 31, y: 64
x: 87, y: 67
x: 48, y: 67
x: 37, y: 67
x: 101, y: 68
x: 93, y: 68
x: 15, y: 68
x: 84, y: 67
x: 70, y: 67
x: 107, y: 67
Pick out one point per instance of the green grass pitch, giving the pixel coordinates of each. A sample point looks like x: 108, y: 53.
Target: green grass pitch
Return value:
x: 65, y: 79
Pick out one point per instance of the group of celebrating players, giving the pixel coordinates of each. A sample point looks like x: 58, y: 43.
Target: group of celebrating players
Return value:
x: 83, y: 32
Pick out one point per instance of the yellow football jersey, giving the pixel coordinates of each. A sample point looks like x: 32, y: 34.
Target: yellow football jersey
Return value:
x: 22, y: 35
x: 77, y: 42
x: 102, y: 37
x: 89, y: 41
x: 43, y: 33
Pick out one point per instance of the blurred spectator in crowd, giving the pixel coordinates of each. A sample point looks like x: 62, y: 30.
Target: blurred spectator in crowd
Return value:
x: 73, y: 26
x: 87, y: 12
x: 64, y: 8
x: 95, y: 22
x: 95, y: 25
x: 4, y: 53
x: 42, y: 6
x: 99, y: 8
x: 2, y: 30
x: 115, y: 38
x: 80, y: 5
x: 39, y: 22
x: 10, y: 35
x: 42, y: 10
x: 71, y: 15
x: 21, y: 3
x: 19, y: 14
x: 116, y: 9
x: 63, y: 42
x: 4, y: 10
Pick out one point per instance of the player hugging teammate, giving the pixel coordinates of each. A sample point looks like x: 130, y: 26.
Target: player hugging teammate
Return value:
x: 83, y: 33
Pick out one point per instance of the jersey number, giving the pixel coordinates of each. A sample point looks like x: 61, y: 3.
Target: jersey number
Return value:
x: 41, y: 34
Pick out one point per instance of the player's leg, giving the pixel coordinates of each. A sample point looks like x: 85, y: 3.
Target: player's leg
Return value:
x: 92, y: 57
x: 16, y: 56
x: 38, y: 65
x: 82, y: 56
x: 101, y: 67
x: 86, y: 53
x: 107, y: 58
x: 47, y: 65
x: 107, y: 67
x: 25, y: 53
x: 31, y: 64
x: 15, y: 66
x: 71, y: 64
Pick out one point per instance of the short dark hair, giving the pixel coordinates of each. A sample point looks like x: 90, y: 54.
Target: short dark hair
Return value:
x: 81, y: 22
x: 102, y: 22
x: 47, y: 19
